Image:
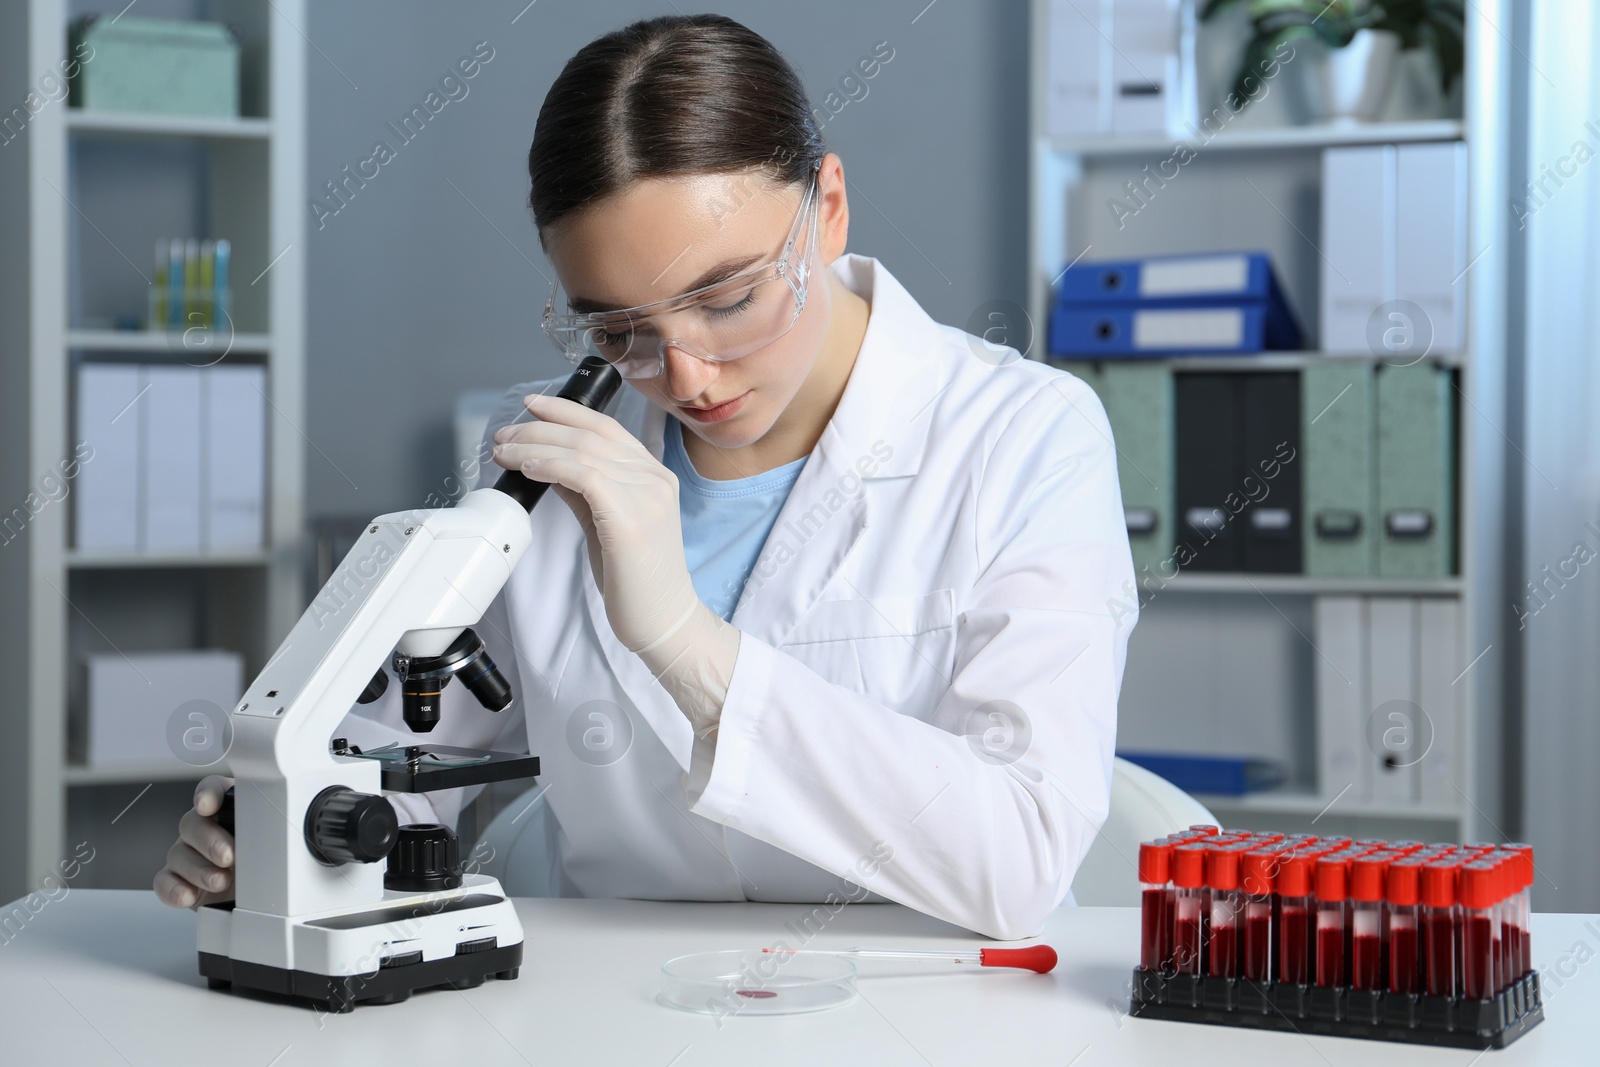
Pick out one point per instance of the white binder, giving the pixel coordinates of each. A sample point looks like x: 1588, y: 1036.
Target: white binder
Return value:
x: 1077, y: 64
x: 235, y: 457
x: 1358, y: 243
x: 1431, y: 237
x: 171, y: 460
x: 106, y: 496
x: 1120, y: 68
x: 1341, y: 697
x: 1394, y: 731
x: 1440, y: 692
x: 1146, y: 74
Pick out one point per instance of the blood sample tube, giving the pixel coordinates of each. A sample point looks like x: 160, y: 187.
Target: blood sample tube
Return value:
x: 1188, y: 880
x: 1438, y: 895
x: 1401, y: 883
x: 1406, y: 847
x: 1509, y: 866
x: 1370, y: 842
x: 1222, y: 879
x: 1334, y: 841
x: 1206, y: 828
x: 1295, y: 923
x: 1331, y: 893
x: 1257, y: 876
x: 1480, y: 941
x: 1155, y: 877
x: 1522, y: 957
x: 1367, y: 925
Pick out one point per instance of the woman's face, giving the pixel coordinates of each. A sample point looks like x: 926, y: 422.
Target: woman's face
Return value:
x: 658, y: 238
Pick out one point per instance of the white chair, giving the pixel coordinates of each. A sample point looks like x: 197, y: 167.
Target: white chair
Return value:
x: 1143, y: 806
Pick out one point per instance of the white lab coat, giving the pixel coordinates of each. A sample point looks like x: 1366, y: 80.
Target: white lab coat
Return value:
x: 924, y: 700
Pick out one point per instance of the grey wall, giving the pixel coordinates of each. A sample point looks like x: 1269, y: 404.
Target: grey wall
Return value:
x: 415, y: 295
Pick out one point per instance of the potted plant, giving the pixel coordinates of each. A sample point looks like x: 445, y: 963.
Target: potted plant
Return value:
x: 1353, y: 47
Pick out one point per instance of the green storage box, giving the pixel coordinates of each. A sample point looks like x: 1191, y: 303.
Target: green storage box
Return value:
x: 155, y: 66
x: 1138, y: 400
x: 1338, y: 431
x: 1416, y: 471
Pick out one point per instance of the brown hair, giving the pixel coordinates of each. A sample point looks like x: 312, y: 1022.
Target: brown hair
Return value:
x: 676, y: 95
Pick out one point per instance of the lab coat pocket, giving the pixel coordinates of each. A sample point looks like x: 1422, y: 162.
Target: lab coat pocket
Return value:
x: 897, y: 650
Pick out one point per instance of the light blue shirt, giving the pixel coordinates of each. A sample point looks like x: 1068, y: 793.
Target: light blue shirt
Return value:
x: 725, y: 523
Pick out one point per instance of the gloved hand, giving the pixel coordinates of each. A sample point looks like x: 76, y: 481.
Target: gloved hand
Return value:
x: 199, y: 866
x: 627, y: 503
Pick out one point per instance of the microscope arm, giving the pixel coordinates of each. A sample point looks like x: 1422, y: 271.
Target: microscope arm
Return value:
x: 412, y: 582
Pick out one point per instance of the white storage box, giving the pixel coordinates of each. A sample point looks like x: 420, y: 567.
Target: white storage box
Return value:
x: 133, y: 699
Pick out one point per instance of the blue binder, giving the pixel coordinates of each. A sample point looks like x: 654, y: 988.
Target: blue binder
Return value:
x: 1139, y: 307
x: 1078, y: 332
x: 1229, y: 776
x: 1222, y: 278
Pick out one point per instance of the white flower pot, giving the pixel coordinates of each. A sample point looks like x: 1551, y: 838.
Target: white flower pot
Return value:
x: 1344, y: 86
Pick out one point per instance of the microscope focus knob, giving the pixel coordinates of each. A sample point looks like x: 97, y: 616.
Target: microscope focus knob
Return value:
x: 343, y: 826
x: 425, y: 858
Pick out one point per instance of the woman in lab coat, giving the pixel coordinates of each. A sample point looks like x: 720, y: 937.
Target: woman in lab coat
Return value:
x: 837, y: 608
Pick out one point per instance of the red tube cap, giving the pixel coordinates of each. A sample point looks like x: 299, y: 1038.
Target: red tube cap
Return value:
x: 1155, y: 862
x: 1332, y: 878
x: 1222, y: 869
x: 1189, y: 866
x: 1258, y: 871
x: 1205, y: 828
x: 1403, y: 879
x: 1438, y: 883
x: 1294, y: 875
x: 1526, y: 852
x: 1366, y: 877
x: 1480, y: 884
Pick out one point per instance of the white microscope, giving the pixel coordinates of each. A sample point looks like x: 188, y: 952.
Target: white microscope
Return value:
x: 314, y: 916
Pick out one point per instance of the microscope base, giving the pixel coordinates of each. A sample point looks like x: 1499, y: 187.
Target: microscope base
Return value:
x: 375, y: 954
x: 341, y: 993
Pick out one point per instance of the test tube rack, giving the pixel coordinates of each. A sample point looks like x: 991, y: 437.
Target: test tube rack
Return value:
x: 1451, y: 1022
x: 1389, y: 941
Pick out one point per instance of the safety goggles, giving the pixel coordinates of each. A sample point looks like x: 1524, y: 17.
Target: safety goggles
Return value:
x: 717, y: 323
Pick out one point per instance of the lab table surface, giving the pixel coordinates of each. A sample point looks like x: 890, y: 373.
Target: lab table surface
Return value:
x: 109, y: 977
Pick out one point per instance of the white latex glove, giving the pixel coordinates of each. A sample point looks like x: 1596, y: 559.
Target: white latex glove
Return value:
x: 199, y: 866
x: 627, y: 504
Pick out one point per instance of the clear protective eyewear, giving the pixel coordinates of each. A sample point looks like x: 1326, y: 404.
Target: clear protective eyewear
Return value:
x: 717, y: 323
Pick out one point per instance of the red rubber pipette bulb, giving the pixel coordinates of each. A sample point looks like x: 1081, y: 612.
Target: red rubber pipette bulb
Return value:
x: 1039, y: 958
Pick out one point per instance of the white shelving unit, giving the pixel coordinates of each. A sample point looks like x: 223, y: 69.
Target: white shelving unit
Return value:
x: 1255, y: 184
x: 253, y: 192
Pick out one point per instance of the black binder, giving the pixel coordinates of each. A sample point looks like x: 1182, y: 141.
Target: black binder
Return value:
x: 1238, y: 471
x: 1271, y: 523
x: 1208, y: 448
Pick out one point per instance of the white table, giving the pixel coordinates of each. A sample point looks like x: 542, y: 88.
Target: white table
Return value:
x: 103, y: 977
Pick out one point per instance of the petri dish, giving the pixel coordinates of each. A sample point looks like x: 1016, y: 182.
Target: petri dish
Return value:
x: 752, y: 982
